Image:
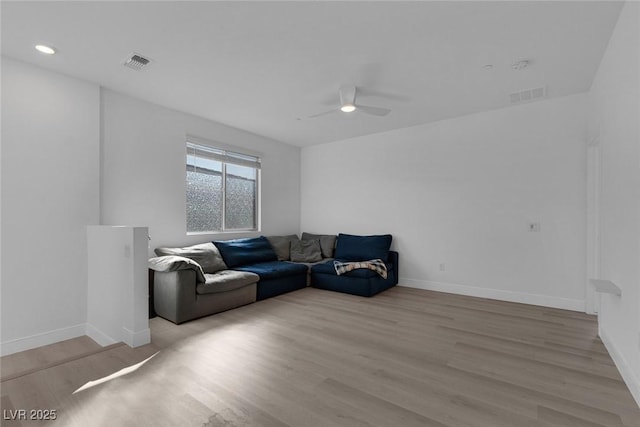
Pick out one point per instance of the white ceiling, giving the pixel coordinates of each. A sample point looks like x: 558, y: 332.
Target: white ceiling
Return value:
x: 266, y: 66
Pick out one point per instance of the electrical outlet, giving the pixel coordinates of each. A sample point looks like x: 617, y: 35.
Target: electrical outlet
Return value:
x: 442, y: 267
x: 533, y: 227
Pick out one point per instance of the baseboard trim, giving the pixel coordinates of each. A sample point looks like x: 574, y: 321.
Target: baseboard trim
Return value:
x: 51, y: 337
x: 136, y: 339
x: 497, y: 294
x: 98, y: 336
x: 42, y: 339
x: 630, y: 378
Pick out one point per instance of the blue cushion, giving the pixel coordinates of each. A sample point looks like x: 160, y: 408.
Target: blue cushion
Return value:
x: 246, y: 251
x: 362, y: 248
x: 280, y: 285
x: 352, y: 285
x: 275, y: 269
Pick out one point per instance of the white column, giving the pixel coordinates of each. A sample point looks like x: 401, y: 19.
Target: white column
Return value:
x: 117, y: 306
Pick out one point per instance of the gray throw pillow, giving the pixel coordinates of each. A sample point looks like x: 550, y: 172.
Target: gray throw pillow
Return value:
x: 305, y: 251
x: 327, y: 242
x: 205, y: 254
x: 281, y: 245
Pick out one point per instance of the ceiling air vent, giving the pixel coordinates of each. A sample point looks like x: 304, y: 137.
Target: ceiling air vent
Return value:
x: 136, y: 62
x: 527, y: 95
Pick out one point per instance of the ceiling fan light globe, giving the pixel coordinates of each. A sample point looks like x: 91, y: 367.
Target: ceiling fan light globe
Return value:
x: 348, y: 108
x: 48, y: 50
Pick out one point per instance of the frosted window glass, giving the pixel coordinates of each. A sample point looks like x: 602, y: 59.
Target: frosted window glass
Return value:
x: 204, y: 202
x: 240, y: 197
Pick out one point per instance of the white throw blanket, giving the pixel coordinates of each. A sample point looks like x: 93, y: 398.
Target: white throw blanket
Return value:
x: 376, y: 265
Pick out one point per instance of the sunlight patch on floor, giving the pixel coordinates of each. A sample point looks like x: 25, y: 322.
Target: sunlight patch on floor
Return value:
x: 120, y: 373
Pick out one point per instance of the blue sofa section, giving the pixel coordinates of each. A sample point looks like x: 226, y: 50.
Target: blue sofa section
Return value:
x: 362, y: 248
x: 362, y: 282
x: 277, y: 277
x: 240, y: 252
x: 255, y: 255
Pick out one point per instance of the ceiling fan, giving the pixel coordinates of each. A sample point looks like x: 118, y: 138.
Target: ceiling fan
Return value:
x: 348, y: 104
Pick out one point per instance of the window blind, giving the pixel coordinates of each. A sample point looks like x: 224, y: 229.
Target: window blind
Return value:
x: 199, y: 151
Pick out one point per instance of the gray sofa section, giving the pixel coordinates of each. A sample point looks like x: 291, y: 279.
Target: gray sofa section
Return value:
x: 179, y: 297
x: 194, y: 282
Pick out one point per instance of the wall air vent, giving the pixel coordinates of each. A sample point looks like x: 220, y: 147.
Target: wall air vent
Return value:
x: 527, y: 95
x: 136, y: 62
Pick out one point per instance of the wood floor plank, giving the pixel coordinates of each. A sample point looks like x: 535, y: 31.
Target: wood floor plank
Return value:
x: 387, y: 413
x: 314, y: 358
x: 575, y: 374
x: 561, y: 356
x: 9, y: 412
x: 563, y: 419
x: 531, y: 379
x: 28, y: 361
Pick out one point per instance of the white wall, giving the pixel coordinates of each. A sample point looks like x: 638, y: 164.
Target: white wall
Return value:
x: 50, y: 184
x: 143, y: 151
x: 615, y: 117
x: 460, y: 192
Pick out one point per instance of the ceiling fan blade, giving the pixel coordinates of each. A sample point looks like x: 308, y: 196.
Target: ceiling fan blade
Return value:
x: 364, y: 92
x: 375, y: 111
x: 322, y: 114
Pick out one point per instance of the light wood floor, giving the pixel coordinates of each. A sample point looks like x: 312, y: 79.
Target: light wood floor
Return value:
x: 405, y: 357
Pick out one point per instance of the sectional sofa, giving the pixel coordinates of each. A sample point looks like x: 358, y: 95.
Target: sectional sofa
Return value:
x: 208, y: 278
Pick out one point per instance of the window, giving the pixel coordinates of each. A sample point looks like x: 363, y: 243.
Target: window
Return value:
x: 222, y: 189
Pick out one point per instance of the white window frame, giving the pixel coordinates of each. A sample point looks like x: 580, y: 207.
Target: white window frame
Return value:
x: 226, y: 154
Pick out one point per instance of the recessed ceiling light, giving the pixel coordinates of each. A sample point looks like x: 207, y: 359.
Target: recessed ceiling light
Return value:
x: 45, y: 49
x: 348, y: 108
x: 487, y: 66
